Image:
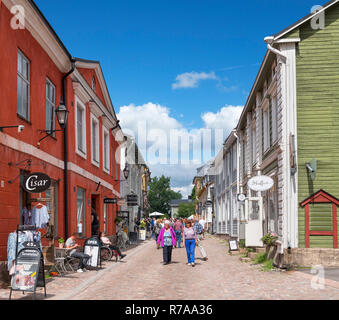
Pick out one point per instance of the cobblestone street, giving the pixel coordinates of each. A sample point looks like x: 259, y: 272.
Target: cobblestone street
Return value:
x: 142, y: 276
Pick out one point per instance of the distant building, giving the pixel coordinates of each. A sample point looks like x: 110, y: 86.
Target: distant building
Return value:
x: 175, y: 205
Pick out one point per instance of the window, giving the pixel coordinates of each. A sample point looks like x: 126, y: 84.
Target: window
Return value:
x: 23, y: 89
x: 254, y: 150
x: 95, y: 140
x: 93, y: 83
x: 80, y: 129
x: 105, y: 148
x: 81, y: 211
x: 50, y: 106
x: 274, y: 119
x: 266, y: 124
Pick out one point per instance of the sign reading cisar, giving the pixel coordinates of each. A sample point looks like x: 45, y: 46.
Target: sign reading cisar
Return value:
x: 36, y: 182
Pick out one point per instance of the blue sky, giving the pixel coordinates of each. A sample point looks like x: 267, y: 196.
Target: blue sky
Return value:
x: 143, y: 46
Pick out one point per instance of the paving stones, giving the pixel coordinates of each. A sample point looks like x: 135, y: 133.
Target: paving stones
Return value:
x: 222, y: 277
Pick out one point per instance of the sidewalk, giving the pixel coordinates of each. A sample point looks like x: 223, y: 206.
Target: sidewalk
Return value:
x: 60, y: 288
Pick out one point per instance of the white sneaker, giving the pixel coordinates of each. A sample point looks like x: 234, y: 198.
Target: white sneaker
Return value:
x: 189, y: 264
x: 192, y: 264
x: 80, y: 270
x: 84, y: 270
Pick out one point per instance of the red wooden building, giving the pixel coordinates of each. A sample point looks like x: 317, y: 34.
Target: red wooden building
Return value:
x: 34, y: 64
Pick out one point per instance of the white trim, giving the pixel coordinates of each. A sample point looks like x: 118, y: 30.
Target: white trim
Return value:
x: 80, y: 92
x: 288, y: 40
x: 20, y: 146
x: 82, y: 106
x: 37, y: 27
x: 96, y: 162
x: 106, y: 131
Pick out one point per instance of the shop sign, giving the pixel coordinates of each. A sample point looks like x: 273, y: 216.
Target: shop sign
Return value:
x: 233, y: 245
x: 92, y: 248
x: 36, y: 182
x: 132, y: 200
x: 110, y: 200
x: 260, y: 183
x: 26, y: 272
x: 241, y: 197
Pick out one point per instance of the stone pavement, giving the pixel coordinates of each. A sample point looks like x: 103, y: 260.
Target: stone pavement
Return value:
x: 142, y: 276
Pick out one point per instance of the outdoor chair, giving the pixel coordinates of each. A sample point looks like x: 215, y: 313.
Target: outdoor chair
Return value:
x: 59, y: 259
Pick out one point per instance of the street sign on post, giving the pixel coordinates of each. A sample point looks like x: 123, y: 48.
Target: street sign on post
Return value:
x: 132, y: 200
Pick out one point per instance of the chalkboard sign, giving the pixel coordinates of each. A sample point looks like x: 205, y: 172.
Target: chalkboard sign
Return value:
x: 233, y: 245
x: 29, y: 271
x: 92, y: 248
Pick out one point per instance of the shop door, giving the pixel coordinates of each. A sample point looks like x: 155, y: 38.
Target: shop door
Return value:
x: 254, y: 227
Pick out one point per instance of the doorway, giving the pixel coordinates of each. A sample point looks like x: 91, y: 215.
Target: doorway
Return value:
x: 95, y: 225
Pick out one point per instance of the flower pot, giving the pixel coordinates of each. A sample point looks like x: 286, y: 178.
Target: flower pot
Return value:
x: 61, y: 245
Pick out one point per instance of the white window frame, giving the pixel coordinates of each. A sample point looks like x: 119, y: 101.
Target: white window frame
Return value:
x: 52, y: 103
x: 266, y: 123
x: 254, y: 144
x: 107, y: 146
x: 79, y: 103
x: 93, y: 83
x: 96, y: 162
x: 274, y: 102
x: 27, y: 81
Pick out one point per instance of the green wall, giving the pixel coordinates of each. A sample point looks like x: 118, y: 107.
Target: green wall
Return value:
x: 318, y: 118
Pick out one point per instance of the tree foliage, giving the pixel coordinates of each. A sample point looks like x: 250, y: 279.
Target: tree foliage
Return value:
x: 186, y: 209
x: 160, y: 194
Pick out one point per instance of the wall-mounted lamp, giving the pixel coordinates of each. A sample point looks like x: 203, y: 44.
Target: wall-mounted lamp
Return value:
x: 20, y: 128
x: 312, y: 168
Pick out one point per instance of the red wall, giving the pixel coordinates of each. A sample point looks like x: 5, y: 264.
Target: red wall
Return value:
x: 41, y: 66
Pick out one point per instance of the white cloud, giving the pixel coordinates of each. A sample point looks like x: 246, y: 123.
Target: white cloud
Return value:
x: 191, y: 79
x: 226, y: 118
x: 154, y: 129
x: 185, y: 190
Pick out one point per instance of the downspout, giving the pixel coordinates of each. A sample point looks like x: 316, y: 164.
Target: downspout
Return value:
x: 238, y: 180
x: 269, y: 41
x: 66, y: 150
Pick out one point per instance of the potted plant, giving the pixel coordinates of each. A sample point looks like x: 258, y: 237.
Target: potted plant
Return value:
x: 269, y: 241
x: 142, y: 231
x: 61, y: 242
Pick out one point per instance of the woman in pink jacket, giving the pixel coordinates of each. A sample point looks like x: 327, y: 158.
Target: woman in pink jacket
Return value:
x: 167, y: 240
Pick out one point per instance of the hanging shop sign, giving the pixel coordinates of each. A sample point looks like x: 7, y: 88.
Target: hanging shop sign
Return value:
x: 92, y: 248
x: 241, y: 197
x: 110, y: 200
x: 260, y: 183
x: 36, y: 182
x: 132, y: 200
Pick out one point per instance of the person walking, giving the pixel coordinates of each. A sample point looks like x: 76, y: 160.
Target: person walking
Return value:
x: 167, y: 240
x: 190, y: 240
x: 157, y: 230
x: 178, y: 228
x: 199, y: 229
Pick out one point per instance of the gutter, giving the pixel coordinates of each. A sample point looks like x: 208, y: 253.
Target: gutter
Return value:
x: 66, y: 150
x: 238, y: 181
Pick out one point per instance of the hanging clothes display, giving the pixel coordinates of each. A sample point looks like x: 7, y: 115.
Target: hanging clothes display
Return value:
x: 27, y: 216
x: 23, y: 236
x: 40, y: 216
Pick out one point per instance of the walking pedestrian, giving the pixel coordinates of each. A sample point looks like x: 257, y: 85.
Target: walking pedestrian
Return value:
x: 178, y: 228
x: 190, y: 240
x: 167, y: 240
x: 199, y: 231
x: 158, y: 228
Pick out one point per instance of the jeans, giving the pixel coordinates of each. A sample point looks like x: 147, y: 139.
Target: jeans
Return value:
x: 178, y: 234
x: 190, y: 250
x: 167, y: 253
x: 116, y: 249
x: 83, y: 258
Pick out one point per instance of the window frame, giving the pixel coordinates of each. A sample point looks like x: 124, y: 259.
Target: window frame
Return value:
x: 27, y: 81
x: 83, y: 214
x: 49, y: 82
x: 82, y: 153
x: 105, y: 157
x: 274, y: 103
x: 266, y: 124
x: 96, y: 162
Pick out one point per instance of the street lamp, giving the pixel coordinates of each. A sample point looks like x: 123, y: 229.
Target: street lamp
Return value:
x: 62, y: 116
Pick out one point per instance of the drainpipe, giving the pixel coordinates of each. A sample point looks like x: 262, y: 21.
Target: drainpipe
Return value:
x: 66, y: 151
x: 269, y: 41
x: 238, y: 179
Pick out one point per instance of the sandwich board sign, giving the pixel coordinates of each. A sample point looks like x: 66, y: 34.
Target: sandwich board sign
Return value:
x: 92, y: 248
x: 29, y: 271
